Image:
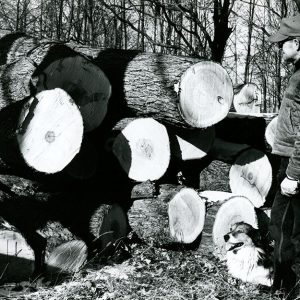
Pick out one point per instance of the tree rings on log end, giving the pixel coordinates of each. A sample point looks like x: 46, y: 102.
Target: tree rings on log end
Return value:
x: 68, y: 257
x: 251, y: 176
x: 235, y: 209
x: 143, y: 149
x: 271, y: 131
x: 84, y: 82
x: 206, y: 94
x: 50, y: 131
x: 186, y: 216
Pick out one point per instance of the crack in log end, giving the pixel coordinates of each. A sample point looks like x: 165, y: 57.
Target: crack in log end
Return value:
x: 50, y: 136
x: 144, y: 148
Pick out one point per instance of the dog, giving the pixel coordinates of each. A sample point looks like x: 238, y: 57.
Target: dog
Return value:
x: 246, y: 257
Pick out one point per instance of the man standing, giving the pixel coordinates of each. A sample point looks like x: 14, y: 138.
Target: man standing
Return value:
x: 285, y: 214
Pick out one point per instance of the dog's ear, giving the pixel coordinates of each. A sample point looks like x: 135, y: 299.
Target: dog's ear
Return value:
x: 254, y: 234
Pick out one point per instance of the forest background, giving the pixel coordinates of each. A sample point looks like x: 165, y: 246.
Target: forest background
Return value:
x: 231, y: 32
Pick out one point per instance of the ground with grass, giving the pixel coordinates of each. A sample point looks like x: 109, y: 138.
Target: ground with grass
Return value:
x: 139, y: 271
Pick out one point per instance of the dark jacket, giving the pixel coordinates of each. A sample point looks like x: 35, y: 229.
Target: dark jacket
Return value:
x: 287, y: 136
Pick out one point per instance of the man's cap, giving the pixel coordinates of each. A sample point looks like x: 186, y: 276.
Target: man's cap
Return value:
x: 289, y: 27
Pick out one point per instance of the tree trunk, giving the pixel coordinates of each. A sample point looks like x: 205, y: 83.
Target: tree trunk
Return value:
x: 181, y: 92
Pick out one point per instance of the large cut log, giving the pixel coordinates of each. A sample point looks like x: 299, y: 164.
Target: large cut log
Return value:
x: 251, y: 176
x: 49, y: 65
x: 44, y: 132
x: 175, y: 216
x: 143, y: 149
x: 184, y: 91
x: 247, y: 98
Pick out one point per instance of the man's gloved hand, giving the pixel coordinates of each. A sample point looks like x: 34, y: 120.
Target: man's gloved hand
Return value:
x: 289, y: 187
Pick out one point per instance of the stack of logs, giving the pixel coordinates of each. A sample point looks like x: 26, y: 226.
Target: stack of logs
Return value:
x: 97, y: 139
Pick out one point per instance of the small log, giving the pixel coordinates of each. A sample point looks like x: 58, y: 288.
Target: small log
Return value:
x: 247, y: 98
x: 143, y: 150
x: 50, y: 131
x: 233, y: 210
x: 184, y: 91
x: 190, y: 144
x: 109, y: 225
x: 176, y: 215
x: 270, y: 132
x: 251, y: 176
x: 69, y: 257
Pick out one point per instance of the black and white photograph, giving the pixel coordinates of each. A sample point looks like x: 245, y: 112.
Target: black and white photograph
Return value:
x: 150, y: 149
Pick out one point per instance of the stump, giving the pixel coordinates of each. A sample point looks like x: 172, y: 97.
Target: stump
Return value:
x: 50, y: 131
x: 143, y: 150
x: 251, y: 176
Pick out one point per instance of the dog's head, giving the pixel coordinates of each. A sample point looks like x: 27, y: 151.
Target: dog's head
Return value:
x: 241, y: 235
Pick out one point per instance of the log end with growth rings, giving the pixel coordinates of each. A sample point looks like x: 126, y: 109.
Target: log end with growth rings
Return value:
x: 50, y: 131
x: 251, y: 176
x: 186, y: 216
x: 206, y: 94
x: 143, y: 149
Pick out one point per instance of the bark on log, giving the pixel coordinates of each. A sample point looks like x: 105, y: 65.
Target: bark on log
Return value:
x: 202, y: 105
x: 251, y: 176
x: 151, y: 218
x: 247, y: 99
x: 50, y: 131
x: 49, y: 65
x: 68, y: 257
x: 143, y: 149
